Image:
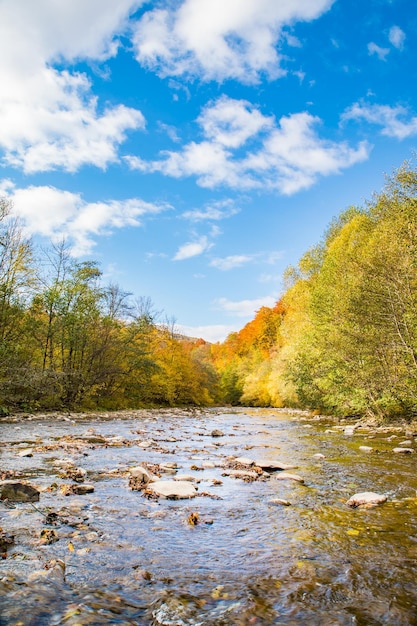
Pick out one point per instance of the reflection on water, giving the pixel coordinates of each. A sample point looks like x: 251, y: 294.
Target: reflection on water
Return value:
x: 133, y: 560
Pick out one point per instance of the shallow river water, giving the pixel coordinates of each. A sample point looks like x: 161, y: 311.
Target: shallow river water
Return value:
x: 124, y: 558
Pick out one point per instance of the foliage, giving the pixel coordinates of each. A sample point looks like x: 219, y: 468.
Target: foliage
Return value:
x: 342, y: 339
x: 68, y: 341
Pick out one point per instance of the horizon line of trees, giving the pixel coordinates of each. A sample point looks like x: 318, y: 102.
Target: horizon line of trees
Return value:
x: 341, y: 340
x: 68, y: 341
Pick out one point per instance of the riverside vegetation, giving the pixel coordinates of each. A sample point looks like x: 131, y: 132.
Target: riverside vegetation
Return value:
x: 342, y: 339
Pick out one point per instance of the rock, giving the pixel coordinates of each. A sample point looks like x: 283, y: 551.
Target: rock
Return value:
x: 273, y: 466
x: 18, y: 492
x: 145, y: 444
x: 408, y: 442
x: 93, y: 439
x: 140, y: 477
x: 217, y: 433
x: 349, y: 431
x: 26, y: 452
x: 241, y: 474
x: 169, y: 468
x: 48, y: 536
x: 403, y: 450
x: 53, y: 570
x: 6, y: 541
x: 208, y: 465
x: 243, y: 460
x: 78, y: 490
x: 366, y: 449
x: 74, y: 473
x: 287, y: 476
x: 173, y: 488
x: 366, y: 498
x: 318, y: 456
x: 187, y: 477
x: 279, y: 502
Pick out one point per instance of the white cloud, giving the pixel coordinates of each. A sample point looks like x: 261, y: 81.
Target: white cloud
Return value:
x: 193, y: 248
x: 215, y: 211
x: 244, y: 308
x: 230, y: 262
x: 50, y: 118
x: 396, y: 37
x: 213, y: 333
x: 54, y: 213
x: 381, y: 53
x: 231, y: 123
x: 285, y: 156
x: 216, y: 40
x: 396, y: 121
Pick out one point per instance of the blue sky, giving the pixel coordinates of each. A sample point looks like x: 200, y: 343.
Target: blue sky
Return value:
x: 196, y: 148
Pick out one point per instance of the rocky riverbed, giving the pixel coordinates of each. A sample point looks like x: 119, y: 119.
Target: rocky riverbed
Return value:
x: 226, y: 517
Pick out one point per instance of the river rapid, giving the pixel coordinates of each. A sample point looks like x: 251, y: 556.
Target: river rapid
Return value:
x: 233, y: 555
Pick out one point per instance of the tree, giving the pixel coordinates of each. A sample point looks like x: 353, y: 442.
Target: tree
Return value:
x: 17, y: 280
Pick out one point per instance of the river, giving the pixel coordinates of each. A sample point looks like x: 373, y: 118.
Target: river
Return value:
x: 119, y: 557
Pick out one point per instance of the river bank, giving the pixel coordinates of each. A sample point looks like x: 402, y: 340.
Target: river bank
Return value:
x: 250, y: 546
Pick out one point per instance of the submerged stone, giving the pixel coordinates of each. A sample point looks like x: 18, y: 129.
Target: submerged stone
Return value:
x: 18, y: 492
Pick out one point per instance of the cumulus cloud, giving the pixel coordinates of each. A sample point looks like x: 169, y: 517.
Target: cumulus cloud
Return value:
x: 55, y: 213
x: 217, y: 40
x: 253, y: 151
x: 395, y: 121
x: 244, y: 308
x: 231, y: 123
x: 215, y: 211
x: 396, y: 37
x: 50, y: 118
x: 230, y: 262
x: 374, y: 49
x: 193, y: 248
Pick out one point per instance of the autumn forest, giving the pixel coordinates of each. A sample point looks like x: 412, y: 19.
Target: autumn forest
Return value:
x: 341, y: 340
